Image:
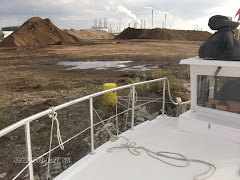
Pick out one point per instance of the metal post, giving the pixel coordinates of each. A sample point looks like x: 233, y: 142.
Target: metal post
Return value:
x: 29, y: 150
x: 91, y: 121
x: 163, y: 105
x: 133, y: 106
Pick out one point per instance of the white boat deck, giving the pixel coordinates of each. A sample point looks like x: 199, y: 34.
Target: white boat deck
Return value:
x: 160, y: 134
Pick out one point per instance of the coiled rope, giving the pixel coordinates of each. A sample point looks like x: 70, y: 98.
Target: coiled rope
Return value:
x: 135, y: 150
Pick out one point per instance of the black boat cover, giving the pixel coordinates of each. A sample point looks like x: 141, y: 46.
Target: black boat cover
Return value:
x: 223, y: 44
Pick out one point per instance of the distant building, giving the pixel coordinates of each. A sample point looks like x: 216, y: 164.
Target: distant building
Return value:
x: 100, y: 24
x: 8, y: 30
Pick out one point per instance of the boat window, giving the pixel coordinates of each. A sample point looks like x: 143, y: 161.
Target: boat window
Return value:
x: 222, y: 93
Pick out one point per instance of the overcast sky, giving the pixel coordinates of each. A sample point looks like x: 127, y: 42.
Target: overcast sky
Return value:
x: 79, y: 14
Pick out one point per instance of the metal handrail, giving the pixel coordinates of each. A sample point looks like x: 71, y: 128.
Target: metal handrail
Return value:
x: 46, y: 112
x: 26, y: 122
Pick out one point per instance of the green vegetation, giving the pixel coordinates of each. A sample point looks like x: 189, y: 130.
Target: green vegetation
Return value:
x: 176, y: 84
x: 185, y: 74
x: 176, y: 87
x: 6, y: 115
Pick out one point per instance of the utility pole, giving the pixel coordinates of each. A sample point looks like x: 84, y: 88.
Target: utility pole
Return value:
x: 105, y: 23
x: 110, y: 28
x: 144, y: 24
x: 152, y: 18
x: 165, y: 20
x: 160, y: 20
x: 120, y: 22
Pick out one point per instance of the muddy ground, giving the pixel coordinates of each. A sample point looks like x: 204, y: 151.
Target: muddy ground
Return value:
x: 31, y: 81
x: 30, y: 75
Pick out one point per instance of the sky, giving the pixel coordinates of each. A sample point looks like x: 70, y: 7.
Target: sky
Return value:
x: 80, y: 14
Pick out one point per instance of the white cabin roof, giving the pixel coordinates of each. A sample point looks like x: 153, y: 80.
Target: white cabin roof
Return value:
x: 160, y: 134
x: 200, y: 61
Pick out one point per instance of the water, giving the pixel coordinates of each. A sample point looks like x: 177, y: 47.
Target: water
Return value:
x: 99, y: 65
x: 105, y: 65
x: 139, y: 68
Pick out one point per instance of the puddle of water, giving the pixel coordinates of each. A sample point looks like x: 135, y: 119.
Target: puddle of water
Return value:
x: 138, y: 68
x: 100, y: 65
x: 105, y: 65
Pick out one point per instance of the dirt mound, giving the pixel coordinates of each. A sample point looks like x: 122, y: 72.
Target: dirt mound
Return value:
x: 86, y: 34
x: 38, y: 32
x: 164, y: 34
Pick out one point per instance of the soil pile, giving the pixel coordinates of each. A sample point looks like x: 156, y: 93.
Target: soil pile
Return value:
x: 86, y: 34
x: 164, y: 34
x: 38, y: 32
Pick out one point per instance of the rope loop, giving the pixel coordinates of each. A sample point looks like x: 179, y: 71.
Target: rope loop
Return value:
x: 53, y: 116
x: 169, y: 158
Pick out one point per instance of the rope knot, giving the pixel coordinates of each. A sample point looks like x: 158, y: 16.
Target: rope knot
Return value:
x: 53, y: 114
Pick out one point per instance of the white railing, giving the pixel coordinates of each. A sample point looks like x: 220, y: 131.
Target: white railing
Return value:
x: 26, y: 122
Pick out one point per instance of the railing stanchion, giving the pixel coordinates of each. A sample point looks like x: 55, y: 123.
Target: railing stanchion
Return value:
x: 29, y: 149
x: 91, y: 121
x: 133, y: 106
x: 164, y: 94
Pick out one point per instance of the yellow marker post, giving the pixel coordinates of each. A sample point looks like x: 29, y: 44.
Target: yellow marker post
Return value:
x: 110, y: 98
